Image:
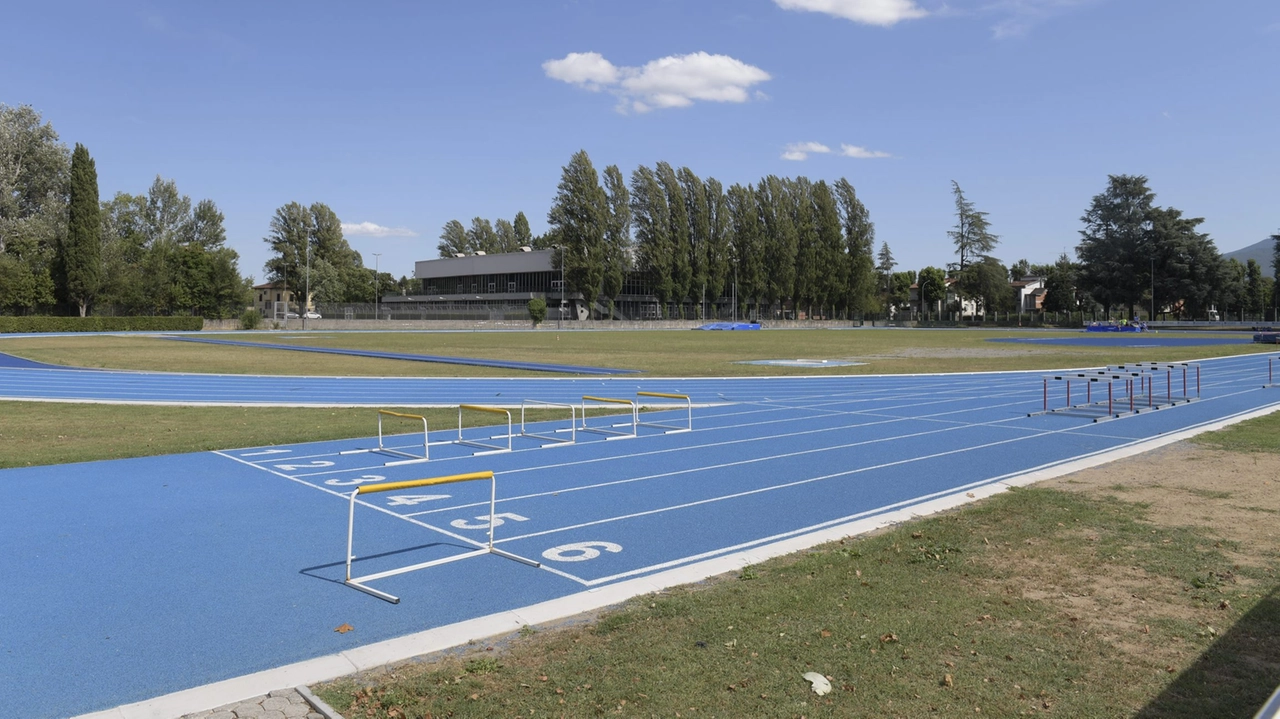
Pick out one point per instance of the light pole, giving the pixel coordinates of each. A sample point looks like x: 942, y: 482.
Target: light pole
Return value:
x: 560, y: 313
x: 306, y: 300
x: 376, y: 256
x: 1152, y: 318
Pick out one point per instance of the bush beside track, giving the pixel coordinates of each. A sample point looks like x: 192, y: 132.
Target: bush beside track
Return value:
x: 99, y: 324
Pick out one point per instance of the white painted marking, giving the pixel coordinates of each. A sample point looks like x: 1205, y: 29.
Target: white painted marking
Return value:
x: 484, y: 524
x: 266, y: 451
x: 408, y: 500
x: 317, y: 464
x: 579, y: 551
x: 358, y: 480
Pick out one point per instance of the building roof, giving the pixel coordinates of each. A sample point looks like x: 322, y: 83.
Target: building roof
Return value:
x: 507, y: 262
x: 277, y: 285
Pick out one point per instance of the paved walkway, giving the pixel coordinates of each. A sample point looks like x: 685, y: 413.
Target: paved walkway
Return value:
x: 279, y: 704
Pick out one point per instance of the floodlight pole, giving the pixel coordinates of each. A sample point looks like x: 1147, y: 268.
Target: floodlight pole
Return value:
x: 305, y: 300
x: 376, y: 256
x: 1153, y: 291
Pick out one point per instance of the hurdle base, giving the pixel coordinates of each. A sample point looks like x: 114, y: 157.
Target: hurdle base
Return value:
x: 372, y: 592
x: 515, y: 557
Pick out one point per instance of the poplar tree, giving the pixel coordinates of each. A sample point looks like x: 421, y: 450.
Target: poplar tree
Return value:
x: 617, y: 235
x: 506, y: 236
x: 779, y: 236
x: 720, y: 226
x: 859, y: 240
x: 695, y: 201
x: 832, y: 269
x: 82, y: 250
x: 746, y: 246
x: 681, y: 251
x: 652, y: 223
x: 524, y: 238
x: 578, y: 215
x: 454, y: 240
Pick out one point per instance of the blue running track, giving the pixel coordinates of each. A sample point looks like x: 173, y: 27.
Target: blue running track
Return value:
x: 130, y: 579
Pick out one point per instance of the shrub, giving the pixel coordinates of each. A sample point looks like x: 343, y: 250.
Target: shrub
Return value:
x: 250, y: 319
x: 39, y: 323
x: 537, y: 311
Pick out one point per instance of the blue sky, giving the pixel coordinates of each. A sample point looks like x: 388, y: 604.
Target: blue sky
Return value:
x: 406, y: 115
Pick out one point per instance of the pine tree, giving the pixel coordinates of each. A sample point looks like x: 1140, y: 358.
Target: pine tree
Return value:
x: 82, y: 250
x: 972, y: 234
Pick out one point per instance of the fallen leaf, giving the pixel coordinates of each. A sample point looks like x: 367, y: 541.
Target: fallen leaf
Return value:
x: 343, y: 629
x: 820, y: 683
x: 947, y: 681
x: 888, y: 638
x: 970, y: 495
x: 825, y: 633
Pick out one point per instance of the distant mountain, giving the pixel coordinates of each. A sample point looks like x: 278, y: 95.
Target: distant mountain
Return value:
x: 1261, y: 252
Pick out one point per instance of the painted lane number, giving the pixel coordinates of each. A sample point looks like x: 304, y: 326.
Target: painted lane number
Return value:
x: 498, y: 521
x: 358, y: 480
x: 318, y: 464
x: 408, y: 500
x: 579, y: 551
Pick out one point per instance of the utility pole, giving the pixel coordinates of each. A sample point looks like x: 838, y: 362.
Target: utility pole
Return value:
x: 376, y: 256
x: 306, y: 301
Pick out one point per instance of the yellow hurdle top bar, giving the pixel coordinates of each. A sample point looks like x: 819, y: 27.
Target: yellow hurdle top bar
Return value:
x: 399, y: 414
x: 607, y: 399
x: 408, y: 484
x: 482, y: 408
x: 663, y: 394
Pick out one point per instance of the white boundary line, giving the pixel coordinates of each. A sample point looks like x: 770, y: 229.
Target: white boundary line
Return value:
x: 388, y: 651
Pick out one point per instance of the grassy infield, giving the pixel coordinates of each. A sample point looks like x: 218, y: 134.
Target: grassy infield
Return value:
x: 927, y: 619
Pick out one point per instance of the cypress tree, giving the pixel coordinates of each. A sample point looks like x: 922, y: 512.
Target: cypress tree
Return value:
x: 82, y: 250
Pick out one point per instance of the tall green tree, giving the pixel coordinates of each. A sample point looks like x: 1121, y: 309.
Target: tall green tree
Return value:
x: 506, y: 236
x: 806, y: 291
x: 746, y: 248
x: 1275, y: 285
x: 1114, y: 251
x: 859, y: 239
x: 699, y: 214
x: 290, y: 239
x: 81, y: 259
x: 1060, y: 286
x: 832, y: 268
x: 579, y: 213
x: 34, y: 172
x: 454, y: 240
x: 932, y: 287
x: 481, y: 237
x: 779, y: 239
x: 651, y: 220
x: 885, y: 266
x: 987, y: 282
x: 718, y: 242
x: 681, y: 247
x: 1255, y: 290
x: 972, y: 233
x: 1185, y: 261
x: 617, y: 234
x: 524, y: 238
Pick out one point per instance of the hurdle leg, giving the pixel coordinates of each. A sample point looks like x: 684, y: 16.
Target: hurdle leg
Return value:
x: 1046, y: 389
x: 1109, y: 410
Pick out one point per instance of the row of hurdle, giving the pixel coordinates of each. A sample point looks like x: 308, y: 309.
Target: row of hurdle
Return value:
x: 604, y: 424
x: 1121, y: 390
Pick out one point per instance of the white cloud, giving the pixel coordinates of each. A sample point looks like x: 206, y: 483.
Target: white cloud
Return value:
x: 800, y: 150
x: 1022, y: 15
x: 587, y: 69
x: 862, y: 153
x: 884, y: 13
x: 370, y: 229
x: 672, y: 81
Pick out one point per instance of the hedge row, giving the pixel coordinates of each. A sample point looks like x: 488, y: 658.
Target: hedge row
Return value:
x: 36, y: 323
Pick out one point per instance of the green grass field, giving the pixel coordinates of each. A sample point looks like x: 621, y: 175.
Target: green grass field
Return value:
x: 671, y: 353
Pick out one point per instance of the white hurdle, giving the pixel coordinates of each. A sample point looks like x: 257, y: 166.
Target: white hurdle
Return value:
x: 556, y: 441
x: 383, y: 449
x: 491, y: 448
x: 610, y: 431
x: 360, y: 582
x: 669, y: 428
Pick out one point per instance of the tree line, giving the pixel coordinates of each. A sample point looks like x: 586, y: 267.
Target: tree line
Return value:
x: 812, y: 245
x: 150, y: 253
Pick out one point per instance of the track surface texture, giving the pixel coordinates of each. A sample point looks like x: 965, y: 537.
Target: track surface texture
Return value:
x: 130, y: 579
